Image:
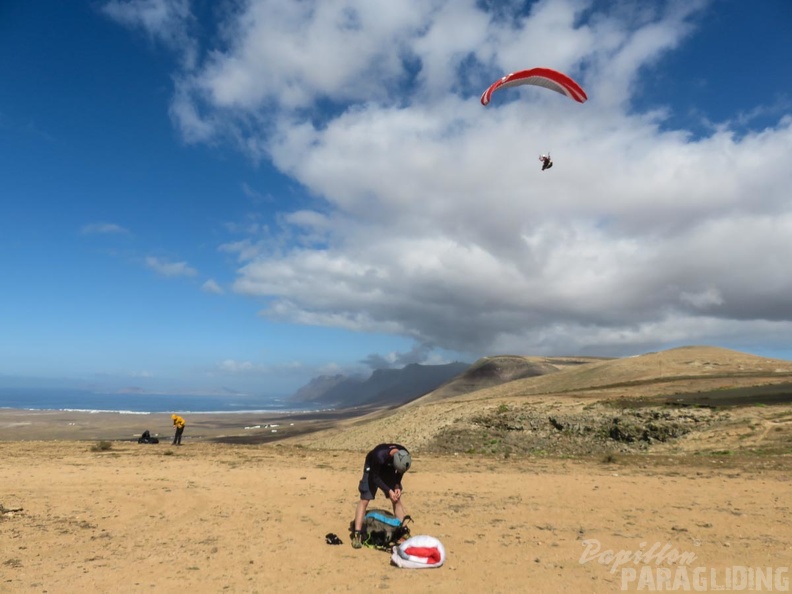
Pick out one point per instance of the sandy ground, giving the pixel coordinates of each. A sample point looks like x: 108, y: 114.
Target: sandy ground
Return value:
x: 233, y: 427
x: 211, y: 518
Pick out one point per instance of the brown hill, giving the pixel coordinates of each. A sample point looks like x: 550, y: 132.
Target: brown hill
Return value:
x: 572, y: 410
x: 489, y: 372
x: 675, y: 366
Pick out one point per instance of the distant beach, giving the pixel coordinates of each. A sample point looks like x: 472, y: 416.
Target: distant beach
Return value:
x: 241, y: 427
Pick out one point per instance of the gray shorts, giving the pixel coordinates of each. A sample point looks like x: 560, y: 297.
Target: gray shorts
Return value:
x: 367, y: 489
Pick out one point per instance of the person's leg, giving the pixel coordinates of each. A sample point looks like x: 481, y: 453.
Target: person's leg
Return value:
x: 398, y: 510
x: 360, y: 513
x: 367, y: 493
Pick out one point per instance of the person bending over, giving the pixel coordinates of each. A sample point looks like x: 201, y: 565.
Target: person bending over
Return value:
x: 384, y: 467
x: 179, y: 423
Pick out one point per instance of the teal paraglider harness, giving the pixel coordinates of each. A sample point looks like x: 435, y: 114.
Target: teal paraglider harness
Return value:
x: 382, y: 530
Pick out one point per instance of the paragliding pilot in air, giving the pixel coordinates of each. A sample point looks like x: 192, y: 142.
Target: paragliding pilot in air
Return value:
x: 547, y: 163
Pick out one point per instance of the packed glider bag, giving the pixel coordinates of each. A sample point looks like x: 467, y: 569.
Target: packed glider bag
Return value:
x: 419, y: 552
x: 383, y: 530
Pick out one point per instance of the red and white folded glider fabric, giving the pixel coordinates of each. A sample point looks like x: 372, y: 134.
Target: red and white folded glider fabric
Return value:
x: 419, y: 552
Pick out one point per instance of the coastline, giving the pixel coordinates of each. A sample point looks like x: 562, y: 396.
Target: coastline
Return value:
x: 228, y: 427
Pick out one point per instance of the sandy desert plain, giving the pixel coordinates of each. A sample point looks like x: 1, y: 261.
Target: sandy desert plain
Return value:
x: 664, y: 472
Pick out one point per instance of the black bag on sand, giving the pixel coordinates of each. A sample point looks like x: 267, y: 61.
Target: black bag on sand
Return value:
x: 146, y: 438
x: 332, y: 539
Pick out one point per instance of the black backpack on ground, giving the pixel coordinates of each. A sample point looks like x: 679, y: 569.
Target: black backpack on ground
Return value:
x: 382, y: 530
x: 146, y: 438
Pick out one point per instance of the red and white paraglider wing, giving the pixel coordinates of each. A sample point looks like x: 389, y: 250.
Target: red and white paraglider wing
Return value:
x: 419, y: 552
x: 540, y: 77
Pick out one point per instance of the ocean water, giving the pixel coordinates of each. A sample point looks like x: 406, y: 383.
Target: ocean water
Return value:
x: 85, y: 400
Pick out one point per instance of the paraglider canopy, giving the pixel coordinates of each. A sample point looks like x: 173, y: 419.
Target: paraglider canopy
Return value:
x: 540, y: 77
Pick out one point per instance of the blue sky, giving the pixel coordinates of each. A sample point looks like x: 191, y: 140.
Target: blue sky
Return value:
x: 210, y: 197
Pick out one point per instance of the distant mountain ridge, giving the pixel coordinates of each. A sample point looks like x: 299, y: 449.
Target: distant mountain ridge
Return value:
x: 510, y: 399
x: 385, y: 387
x: 496, y: 370
x: 315, y: 390
x: 529, y: 375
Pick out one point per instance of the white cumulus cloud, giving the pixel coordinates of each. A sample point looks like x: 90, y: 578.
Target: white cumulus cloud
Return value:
x: 172, y: 269
x: 432, y: 218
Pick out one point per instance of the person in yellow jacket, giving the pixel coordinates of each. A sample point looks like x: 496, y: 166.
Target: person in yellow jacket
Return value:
x: 179, y: 423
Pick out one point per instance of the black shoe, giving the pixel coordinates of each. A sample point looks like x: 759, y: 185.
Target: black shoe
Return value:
x: 332, y: 539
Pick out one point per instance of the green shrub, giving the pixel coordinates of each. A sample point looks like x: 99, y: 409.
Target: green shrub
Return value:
x: 102, y: 446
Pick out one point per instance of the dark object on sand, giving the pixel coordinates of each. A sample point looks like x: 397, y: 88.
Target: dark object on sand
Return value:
x: 146, y: 438
x: 332, y: 539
